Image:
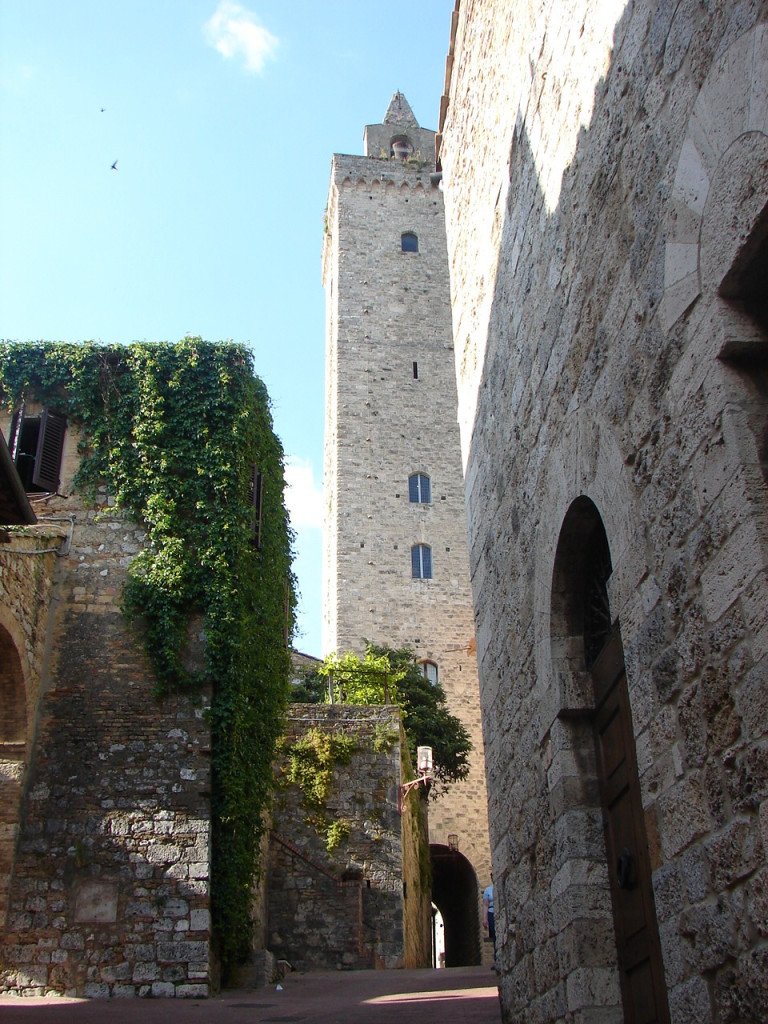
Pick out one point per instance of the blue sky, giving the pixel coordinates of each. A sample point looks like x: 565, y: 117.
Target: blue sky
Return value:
x: 222, y: 118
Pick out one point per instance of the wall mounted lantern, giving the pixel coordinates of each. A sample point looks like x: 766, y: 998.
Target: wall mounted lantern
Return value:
x: 424, y: 768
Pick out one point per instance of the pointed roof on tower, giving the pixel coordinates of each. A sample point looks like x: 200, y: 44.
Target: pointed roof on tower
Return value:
x: 399, y: 112
x: 399, y: 125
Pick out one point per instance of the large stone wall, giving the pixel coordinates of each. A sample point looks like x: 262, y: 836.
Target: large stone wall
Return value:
x: 605, y: 182
x: 366, y: 903
x: 109, y: 872
x: 391, y: 412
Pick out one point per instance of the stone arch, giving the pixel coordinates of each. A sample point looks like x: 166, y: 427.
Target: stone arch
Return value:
x: 456, y: 895
x: 727, y: 128
x: 13, y: 738
x: 595, y: 787
x: 13, y: 697
x: 586, y: 463
x: 581, y: 533
x: 580, y: 884
x: 716, y: 247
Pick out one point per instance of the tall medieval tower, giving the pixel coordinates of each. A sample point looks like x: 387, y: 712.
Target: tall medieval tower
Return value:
x: 396, y: 561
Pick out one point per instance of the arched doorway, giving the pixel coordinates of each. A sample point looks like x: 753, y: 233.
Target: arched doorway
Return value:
x: 455, y: 894
x: 588, y: 643
x: 13, y: 735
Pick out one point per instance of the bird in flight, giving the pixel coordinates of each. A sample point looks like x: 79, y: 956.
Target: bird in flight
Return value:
x: 114, y: 166
x: 103, y: 109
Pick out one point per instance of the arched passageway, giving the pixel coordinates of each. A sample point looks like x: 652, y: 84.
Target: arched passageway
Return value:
x: 13, y: 734
x: 13, y: 702
x: 455, y: 894
x: 586, y: 638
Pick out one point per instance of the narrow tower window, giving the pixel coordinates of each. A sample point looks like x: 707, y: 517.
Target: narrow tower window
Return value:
x: 415, y: 371
x: 419, y: 489
x: 409, y: 242
x: 421, y: 562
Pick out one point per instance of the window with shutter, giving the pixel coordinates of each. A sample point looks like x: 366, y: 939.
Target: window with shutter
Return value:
x: 50, y: 445
x: 37, y: 446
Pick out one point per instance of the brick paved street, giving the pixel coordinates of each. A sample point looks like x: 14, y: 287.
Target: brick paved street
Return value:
x: 462, y: 995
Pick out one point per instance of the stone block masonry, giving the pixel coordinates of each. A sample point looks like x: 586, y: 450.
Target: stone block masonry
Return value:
x: 350, y: 908
x: 108, y: 881
x: 605, y: 180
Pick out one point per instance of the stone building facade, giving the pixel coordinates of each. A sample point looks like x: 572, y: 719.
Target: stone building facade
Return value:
x: 605, y: 170
x: 365, y: 903
x: 105, y: 841
x: 396, y: 564
x: 115, y: 803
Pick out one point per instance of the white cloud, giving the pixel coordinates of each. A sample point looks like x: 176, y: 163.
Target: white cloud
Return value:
x: 234, y: 32
x: 303, y: 497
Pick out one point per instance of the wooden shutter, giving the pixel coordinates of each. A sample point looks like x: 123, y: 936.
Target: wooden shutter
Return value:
x: 50, y: 445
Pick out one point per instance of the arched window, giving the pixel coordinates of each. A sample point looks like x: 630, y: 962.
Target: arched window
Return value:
x: 419, y: 489
x: 421, y: 562
x: 400, y: 147
x: 429, y: 671
x: 409, y: 241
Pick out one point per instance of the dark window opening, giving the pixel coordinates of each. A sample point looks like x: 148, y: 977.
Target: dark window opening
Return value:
x: 597, y: 612
x: 400, y: 147
x: 419, y: 489
x: 745, y: 289
x: 415, y: 371
x: 746, y: 283
x: 37, y: 443
x: 409, y: 242
x: 421, y: 562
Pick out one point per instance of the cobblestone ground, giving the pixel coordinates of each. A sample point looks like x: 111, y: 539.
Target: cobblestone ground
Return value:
x: 461, y: 995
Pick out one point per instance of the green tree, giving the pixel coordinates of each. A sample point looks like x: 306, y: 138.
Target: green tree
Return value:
x: 308, y: 687
x: 392, y: 675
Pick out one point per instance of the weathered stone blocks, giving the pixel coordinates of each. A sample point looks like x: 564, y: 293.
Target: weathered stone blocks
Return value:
x: 112, y: 861
x: 605, y: 350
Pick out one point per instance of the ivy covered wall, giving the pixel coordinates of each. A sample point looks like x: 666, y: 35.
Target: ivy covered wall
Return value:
x: 181, y: 437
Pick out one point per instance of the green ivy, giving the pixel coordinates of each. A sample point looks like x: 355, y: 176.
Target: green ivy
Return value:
x: 310, y: 763
x: 173, y: 430
x: 336, y: 833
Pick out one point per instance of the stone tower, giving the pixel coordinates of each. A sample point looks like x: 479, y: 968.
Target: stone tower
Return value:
x: 396, y: 561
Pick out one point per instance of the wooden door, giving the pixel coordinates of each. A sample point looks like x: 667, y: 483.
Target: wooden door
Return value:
x: 637, y: 936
